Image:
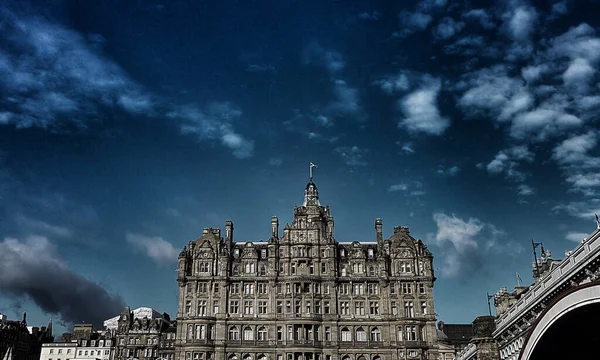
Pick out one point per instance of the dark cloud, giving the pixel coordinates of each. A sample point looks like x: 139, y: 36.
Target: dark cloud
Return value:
x: 33, y: 269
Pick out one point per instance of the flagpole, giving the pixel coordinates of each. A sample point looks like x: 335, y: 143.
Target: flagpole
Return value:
x: 537, y: 268
x: 489, y: 305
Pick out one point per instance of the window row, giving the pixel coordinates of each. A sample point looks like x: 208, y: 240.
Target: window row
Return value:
x: 199, y: 332
x: 137, y: 341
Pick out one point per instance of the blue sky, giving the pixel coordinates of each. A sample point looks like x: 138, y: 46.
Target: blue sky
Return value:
x: 127, y: 127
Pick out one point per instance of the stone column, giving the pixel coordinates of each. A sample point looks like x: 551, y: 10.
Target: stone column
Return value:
x: 487, y: 349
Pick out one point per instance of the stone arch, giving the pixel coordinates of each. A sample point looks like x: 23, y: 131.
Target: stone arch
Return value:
x: 575, y: 299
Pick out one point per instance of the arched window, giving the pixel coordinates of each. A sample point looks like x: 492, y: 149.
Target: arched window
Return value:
x: 262, y: 357
x: 362, y: 357
x: 233, y: 357
x: 346, y: 335
x: 361, y: 335
x: 262, y: 334
x: 375, y: 334
x: 248, y: 333
x: 247, y: 357
x: 346, y: 357
x: 400, y: 332
x: 376, y: 357
x: 234, y: 334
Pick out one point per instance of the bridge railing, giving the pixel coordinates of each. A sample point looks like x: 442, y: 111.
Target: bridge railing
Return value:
x: 467, y: 353
x: 570, y: 265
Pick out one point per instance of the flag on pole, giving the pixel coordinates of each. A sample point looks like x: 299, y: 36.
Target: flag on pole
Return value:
x: 313, y: 165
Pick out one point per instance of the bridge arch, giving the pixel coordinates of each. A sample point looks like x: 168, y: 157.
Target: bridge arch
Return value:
x: 566, y: 327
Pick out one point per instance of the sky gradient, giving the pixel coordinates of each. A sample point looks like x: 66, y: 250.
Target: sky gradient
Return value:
x: 126, y: 127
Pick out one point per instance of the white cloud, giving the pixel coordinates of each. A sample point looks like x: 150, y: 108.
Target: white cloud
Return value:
x: 579, y: 74
x: 522, y: 23
x: 448, y: 28
x: 574, y: 151
x: 421, y: 114
x: 576, y: 236
x: 481, y: 16
x: 215, y: 123
x: 525, y: 190
x: 507, y: 161
x: 466, y: 244
x: 393, y: 83
x: 58, y: 78
x: 352, y: 156
x: 37, y: 227
x: 448, y: 171
x: 407, y: 148
x: 542, y: 123
x: 155, y: 247
x: 370, y: 16
x: 398, y: 187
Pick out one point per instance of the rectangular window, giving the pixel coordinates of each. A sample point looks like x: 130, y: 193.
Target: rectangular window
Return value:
x: 327, y: 333
x: 248, y: 307
x: 262, y: 307
x: 202, y: 287
x: 298, y: 307
x: 327, y: 307
x: 373, y: 307
x: 406, y: 288
x: 317, y: 306
x: 201, y: 310
x: 215, y: 307
x: 411, y: 333
x: 345, y: 308
x: 392, y: 288
x: 394, y: 308
x: 234, y: 307
x: 235, y: 288
x: 288, y: 306
x: 409, y: 310
x: 262, y: 288
x: 359, y: 308
x: 421, y: 288
x: 308, y: 307
x: 424, y: 308
x: 323, y: 267
x: 216, y: 288
x: 279, y: 307
x: 373, y: 289
x: 344, y: 289
x: 279, y: 333
x: 279, y: 288
x: 188, y: 307
x: 248, y: 289
x: 326, y: 290
x: 359, y: 289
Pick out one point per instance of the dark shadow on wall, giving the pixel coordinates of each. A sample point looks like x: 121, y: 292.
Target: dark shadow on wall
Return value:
x: 573, y: 336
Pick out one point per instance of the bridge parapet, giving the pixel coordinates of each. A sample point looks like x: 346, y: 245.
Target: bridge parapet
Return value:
x: 579, y: 266
x: 468, y: 353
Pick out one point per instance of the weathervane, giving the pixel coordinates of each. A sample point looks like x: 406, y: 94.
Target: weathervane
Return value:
x: 310, y: 171
x: 518, y: 279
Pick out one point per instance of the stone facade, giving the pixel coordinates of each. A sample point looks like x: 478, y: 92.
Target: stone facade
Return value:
x: 143, y: 338
x: 302, y: 295
x: 83, y: 344
x: 20, y: 341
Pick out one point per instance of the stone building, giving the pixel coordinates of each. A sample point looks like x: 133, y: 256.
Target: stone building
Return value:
x: 20, y: 341
x: 83, y: 344
x: 140, y: 333
x: 302, y: 295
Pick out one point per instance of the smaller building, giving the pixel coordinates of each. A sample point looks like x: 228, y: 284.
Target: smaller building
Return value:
x: 84, y: 343
x: 458, y: 335
x: 23, y: 342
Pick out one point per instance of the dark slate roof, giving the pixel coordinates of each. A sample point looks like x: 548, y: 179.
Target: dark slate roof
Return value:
x: 458, y: 333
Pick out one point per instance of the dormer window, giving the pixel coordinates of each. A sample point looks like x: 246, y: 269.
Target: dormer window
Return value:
x: 342, y: 252
x: 263, y: 253
x: 371, y: 253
